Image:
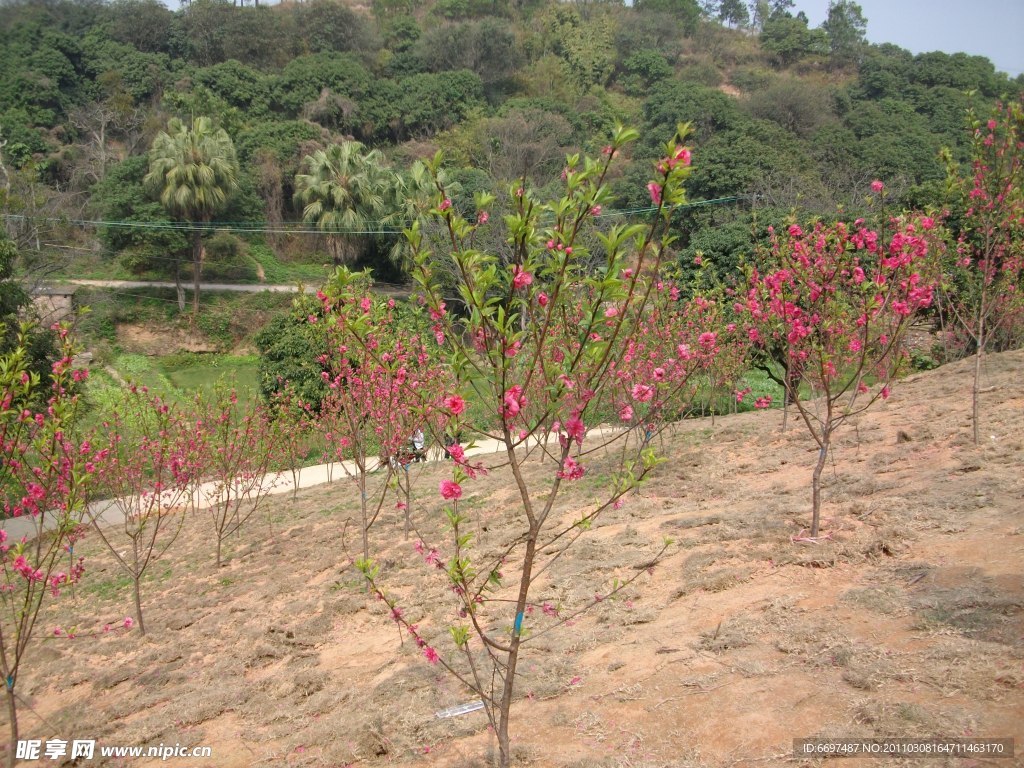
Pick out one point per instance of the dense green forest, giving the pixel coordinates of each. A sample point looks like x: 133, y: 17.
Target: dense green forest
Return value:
x: 784, y: 116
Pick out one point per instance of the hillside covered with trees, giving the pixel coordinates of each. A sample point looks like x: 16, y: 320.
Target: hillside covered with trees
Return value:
x: 316, y: 112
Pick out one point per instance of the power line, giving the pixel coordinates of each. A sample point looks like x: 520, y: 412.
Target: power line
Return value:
x: 303, y: 228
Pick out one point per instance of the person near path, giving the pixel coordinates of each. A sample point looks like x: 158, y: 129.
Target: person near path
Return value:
x: 418, y: 443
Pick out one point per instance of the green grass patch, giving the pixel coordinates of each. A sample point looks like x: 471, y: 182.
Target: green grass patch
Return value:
x: 190, y: 373
x: 276, y: 272
x: 107, y: 589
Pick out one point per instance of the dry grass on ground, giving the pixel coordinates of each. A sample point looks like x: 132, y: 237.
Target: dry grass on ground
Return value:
x: 908, y: 622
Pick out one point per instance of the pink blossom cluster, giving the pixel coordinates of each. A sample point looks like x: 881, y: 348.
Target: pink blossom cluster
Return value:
x: 877, y: 282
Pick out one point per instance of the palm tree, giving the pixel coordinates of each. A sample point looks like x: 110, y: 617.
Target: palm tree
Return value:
x: 193, y: 171
x: 349, y: 194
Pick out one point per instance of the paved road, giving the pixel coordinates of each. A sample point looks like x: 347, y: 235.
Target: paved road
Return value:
x: 233, y: 287
x: 386, y: 288
x: 108, y: 512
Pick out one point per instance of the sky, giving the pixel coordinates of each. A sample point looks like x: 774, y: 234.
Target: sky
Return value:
x: 990, y: 28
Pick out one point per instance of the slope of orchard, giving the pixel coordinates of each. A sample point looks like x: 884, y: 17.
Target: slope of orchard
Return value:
x: 907, y: 622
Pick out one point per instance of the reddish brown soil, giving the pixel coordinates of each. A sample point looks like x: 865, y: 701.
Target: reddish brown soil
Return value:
x: 908, y: 622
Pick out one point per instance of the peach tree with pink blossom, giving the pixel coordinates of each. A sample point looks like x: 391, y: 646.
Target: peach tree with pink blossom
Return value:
x: 384, y: 383
x: 982, y: 297
x: 228, y: 450
x: 45, y: 475
x: 146, y: 474
x: 837, y: 300
x: 541, y: 338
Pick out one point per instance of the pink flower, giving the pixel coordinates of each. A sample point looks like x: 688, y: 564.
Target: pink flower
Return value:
x: 707, y: 340
x: 542, y: 299
x: 626, y: 413
x: 877, y: 186
x: 611, y: 312
x: 763, y: 402
x: 482, y: 217
x: 129, y: 622
x: 575, y: 429
x: 520, y: 277
x: 855, y: 345
x: 455, y: 404
x: 655, y: 190
x: 457, y: 452
x: 642, y: 392
x: 430, y: 654
x: 571, y: 469
x: 885, y: 392
x: 450, y: 490
x: 513, y: 401
x: 445, y: 205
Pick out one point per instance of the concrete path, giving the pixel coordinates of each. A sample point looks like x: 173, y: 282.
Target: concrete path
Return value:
x: 108, y: 512
x: 388, y: 289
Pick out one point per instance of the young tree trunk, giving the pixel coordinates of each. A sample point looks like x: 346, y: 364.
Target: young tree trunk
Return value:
x: 178, y: 286
x: 197, y: 269
x: 407, y: 490
x: 505, y: 707
x: 366, y: 519
x: 976, y: 390
x: 12, y: 714
x: 790, y: 391
x: 138, y: 602
x: 816, y: 483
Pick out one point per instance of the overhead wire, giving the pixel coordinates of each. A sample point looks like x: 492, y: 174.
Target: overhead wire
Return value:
x: 304, y: 228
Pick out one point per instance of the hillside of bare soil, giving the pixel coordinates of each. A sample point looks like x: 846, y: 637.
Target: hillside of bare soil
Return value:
x: 908, y: 621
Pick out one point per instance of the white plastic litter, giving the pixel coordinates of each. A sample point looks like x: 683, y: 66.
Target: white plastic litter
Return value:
x: 461, y: 709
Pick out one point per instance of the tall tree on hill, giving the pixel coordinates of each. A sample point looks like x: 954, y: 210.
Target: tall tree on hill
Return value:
x: 193, y: 171
x: 349, y: 194
x: 846, y: 28
x: 734, y: 13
